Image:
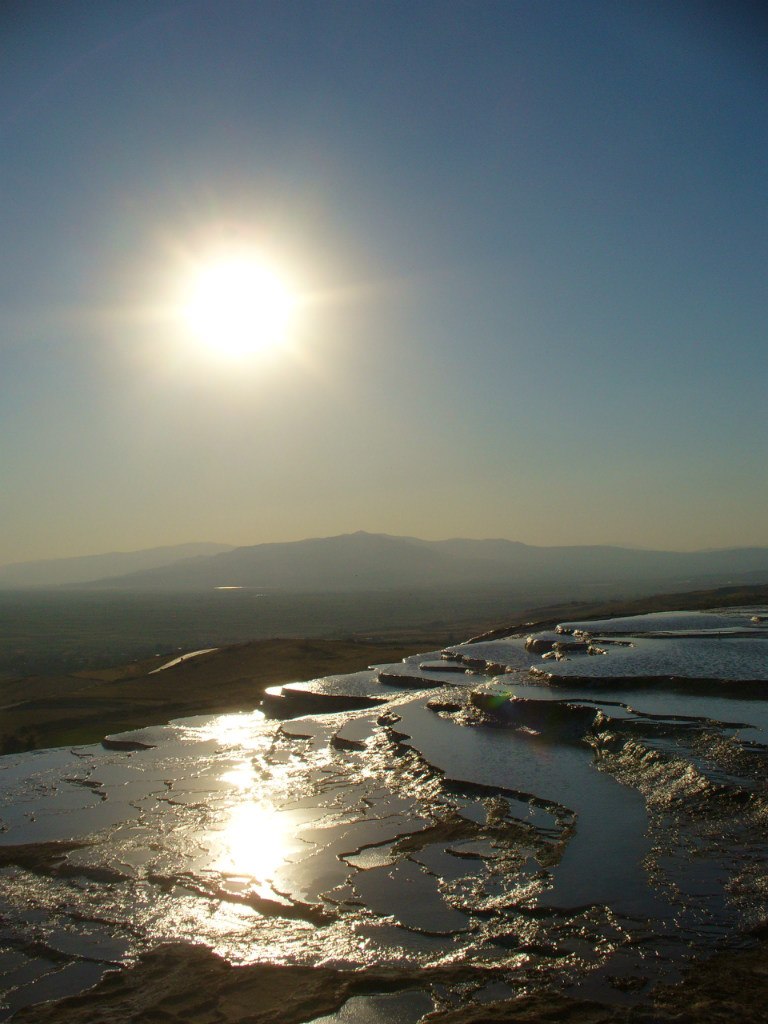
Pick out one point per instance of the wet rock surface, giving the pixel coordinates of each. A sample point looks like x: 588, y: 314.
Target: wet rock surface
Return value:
x: 448, y: 844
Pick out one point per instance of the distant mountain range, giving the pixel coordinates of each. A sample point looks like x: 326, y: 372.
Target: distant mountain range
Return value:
x: 363, y: 561
x: 57, y: 571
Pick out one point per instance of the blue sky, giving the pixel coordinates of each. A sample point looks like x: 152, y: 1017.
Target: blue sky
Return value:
x: 531, y: 237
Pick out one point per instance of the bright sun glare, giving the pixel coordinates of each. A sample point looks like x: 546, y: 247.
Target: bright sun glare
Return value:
x: 239, y: 307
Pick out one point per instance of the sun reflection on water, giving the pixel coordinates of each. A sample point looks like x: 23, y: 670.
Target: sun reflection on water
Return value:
x: 249, y: 730
x: 254, y: 842
x: 239, y: 729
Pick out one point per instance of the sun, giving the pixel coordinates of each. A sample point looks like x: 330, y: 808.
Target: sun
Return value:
x: 239, y: 306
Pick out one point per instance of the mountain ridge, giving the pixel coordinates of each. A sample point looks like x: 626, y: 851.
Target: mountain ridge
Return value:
x: 86, y: 568
x: 377, y: 561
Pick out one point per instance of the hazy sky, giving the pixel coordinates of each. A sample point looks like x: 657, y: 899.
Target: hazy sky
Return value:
x: 529, y: 240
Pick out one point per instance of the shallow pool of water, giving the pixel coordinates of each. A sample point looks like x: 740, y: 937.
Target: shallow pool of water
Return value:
x: 568, y: 831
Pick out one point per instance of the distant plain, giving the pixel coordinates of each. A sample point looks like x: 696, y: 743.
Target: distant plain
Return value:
x: 43, y: 631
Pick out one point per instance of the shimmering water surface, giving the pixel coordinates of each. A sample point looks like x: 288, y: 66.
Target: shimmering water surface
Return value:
x: 586, y: 820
